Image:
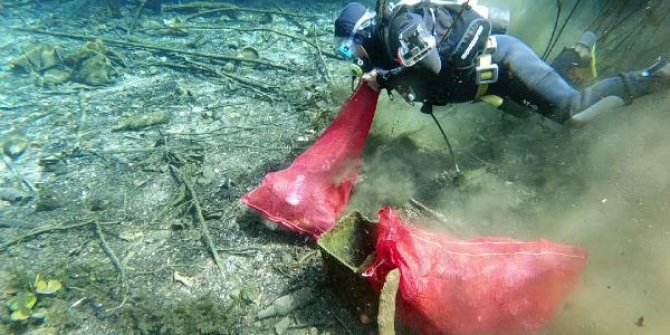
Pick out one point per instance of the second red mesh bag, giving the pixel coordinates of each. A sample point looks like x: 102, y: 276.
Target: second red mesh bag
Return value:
x: 480, y: 286
x: 309, y: 195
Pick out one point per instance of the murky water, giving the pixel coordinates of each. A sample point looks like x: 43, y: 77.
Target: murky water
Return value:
x: 605, y: 187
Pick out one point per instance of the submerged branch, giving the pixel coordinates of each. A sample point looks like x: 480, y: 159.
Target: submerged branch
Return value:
x: 255, y: 29
x: 43, y: 230
x: 109, y: 252
x: 213, y: 7
x: 148, y: 46
x: 201, y: 219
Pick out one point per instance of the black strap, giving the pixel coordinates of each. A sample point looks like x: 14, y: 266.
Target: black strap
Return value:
x: 384, y: 77
x: 628, y: 91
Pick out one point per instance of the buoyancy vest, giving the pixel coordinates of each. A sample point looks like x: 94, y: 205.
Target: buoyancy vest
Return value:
x: 461, y: 37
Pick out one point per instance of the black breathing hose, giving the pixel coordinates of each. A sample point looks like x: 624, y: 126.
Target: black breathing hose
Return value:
x: 560, y: 31
x: 446, y: 139
x: 559, y: 8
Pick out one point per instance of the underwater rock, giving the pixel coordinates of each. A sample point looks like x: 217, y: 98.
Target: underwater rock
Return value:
x: 48, y: 201
x: 282, y: 326
x: 14, y: 144
x: 91, y: 64
x: 12, y: 195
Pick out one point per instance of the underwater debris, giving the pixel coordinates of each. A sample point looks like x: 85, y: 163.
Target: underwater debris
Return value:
x: 45, y: 62
x: 182, y: 279
x: 174, y: 27
x: 387, y: 303
x: 38, y: 58
x: 48, y: 201
x: 288, y: 303
x: 198, y: 41
x: 247, y: 295
x: 249, y: 53
x: 266, y: 18
x: 47, y: 287
x: 182, y: 93
x: 91, y: 65
x: 282, y: 326
x: 640, y: 322
x: 139, y: 122
x: 22, y: 303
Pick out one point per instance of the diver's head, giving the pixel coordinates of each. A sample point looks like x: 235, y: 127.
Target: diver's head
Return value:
x: 353, y: 27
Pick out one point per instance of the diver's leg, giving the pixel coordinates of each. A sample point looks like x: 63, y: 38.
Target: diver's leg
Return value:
x: 524, y: 77
x: 577, y: 64
x: 627, y: 86
x: 567, y: 60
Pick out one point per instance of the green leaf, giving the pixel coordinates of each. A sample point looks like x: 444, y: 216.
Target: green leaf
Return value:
x: 50, y: 287
x: 20, y: 315
x: 25, y: 300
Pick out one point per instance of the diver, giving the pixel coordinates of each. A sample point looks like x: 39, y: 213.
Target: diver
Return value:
x: 441, y: 52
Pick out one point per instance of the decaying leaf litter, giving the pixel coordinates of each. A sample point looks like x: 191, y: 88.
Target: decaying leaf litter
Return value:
x: 128, y: 141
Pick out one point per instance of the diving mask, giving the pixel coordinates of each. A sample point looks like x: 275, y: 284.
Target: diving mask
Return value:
x: 351, y: 47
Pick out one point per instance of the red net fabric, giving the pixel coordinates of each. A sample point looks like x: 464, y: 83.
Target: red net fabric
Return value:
x: 480, y: 286
x: 309, y: 195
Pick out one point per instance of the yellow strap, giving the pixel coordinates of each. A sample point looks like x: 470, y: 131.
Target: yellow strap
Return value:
x: 493, y: 100
x: 481, y: 91
x: 594, y: 67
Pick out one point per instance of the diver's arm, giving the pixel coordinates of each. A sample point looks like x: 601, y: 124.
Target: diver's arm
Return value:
x: 370, y: 78
x: 380, y: 78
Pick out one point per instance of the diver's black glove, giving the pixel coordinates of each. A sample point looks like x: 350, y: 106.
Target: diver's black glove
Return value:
x: 386, y: 77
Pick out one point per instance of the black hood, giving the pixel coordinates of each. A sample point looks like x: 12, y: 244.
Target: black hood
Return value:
x: 345, y: 22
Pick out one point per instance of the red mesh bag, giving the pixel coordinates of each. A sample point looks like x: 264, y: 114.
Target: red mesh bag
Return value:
x: 309, y: 195
x: 480, y: 286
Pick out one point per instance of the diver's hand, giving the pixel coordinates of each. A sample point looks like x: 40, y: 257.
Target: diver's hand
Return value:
x: 370, y: 78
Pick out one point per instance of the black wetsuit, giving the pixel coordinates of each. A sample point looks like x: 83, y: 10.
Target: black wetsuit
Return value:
x: 523, y: 76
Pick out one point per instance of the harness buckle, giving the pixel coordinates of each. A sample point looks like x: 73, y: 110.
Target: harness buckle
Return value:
x: 486, y: 71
